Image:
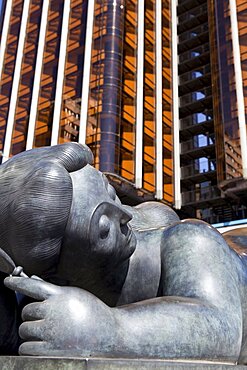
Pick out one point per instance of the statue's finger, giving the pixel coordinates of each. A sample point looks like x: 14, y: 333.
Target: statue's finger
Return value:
x: 31, y: 330
x: 35, y: 348
x: 34, y: 288
x: 34, y: 311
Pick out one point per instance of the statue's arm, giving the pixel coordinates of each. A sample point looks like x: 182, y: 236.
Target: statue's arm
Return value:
x: 198, y: 265
x: 200, y: 319
x: 200, y: 314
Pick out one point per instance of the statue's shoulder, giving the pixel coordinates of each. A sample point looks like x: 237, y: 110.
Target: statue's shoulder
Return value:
x: 152, y: 215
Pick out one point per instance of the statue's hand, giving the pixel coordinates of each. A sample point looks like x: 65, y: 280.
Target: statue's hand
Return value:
x: 66, y: 322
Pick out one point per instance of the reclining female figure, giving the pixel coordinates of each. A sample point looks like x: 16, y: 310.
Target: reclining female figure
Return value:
x: 118, y: 281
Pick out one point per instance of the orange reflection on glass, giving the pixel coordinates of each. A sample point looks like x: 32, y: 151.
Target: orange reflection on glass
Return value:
x: 49, y: 75
x: 70, y: 114
x: 9, y: 66
x: 26, y: 80
x: 128, y: 113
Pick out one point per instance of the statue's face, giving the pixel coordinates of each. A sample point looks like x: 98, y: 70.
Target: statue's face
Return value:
x: 98, y: 227
x: 110, y: 234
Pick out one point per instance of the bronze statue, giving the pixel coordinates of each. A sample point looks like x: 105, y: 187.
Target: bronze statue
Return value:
x: 117, y: 281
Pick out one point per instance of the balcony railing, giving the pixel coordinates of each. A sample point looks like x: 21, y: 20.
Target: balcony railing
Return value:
x: 195, y: 96
x: 195, y: 119
x: 197, y: 143
x: 200, y: 195
x: 198, y: 168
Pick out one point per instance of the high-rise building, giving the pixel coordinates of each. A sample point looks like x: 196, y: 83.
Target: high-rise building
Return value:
x: 156, y: 88
x: 212, y: 107
x: 76, y: 70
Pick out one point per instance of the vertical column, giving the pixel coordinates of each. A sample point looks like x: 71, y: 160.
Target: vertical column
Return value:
x: 175, y: 111
x: 37, y: 76
x: 239, y: 84
x: 16, y: 81
x: 139, y: 96
x: 159, y: 95
x: 112, y: 87
x: 86, y: 72
x: 5, y: 33
x: 60, y: 73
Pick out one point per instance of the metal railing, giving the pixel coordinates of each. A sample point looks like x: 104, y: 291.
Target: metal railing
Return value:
x: 193, y: 120
x: 198, y: 168
x: 197, y: 143
x: 200, y: 194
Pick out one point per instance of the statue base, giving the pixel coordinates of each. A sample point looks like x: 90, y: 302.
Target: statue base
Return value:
x: 51, y: 363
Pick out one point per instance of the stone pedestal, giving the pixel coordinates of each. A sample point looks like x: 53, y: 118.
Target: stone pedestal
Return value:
x: 49, y: 363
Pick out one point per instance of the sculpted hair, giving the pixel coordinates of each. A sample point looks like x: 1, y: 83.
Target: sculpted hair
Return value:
x: 36, y: 196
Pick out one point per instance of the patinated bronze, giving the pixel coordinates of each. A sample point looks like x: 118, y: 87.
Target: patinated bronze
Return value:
x: 118, y: 281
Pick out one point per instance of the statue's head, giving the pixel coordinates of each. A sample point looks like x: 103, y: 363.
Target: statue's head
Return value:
x: 97, y: 232
x: 56, y: 207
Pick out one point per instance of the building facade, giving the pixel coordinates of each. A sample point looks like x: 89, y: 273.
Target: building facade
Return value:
x: 212, y: 108
x: 75, y: 70
x: 156, y: 88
